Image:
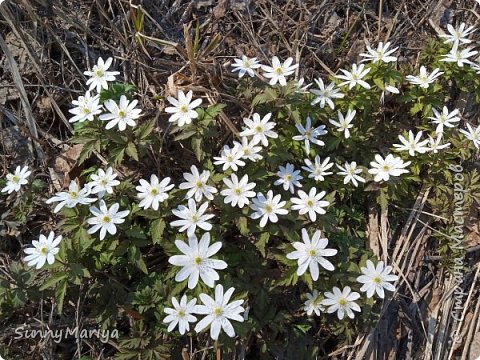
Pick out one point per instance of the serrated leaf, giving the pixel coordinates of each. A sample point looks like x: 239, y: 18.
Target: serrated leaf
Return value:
x: 185, y: 135
x: 53, y: 279
x: 197, y: 147
x: 145, y: 129
x: 131, y: 151
x: 157, y: 229
x: 60, y: 292
x: 135, y: 255
x: 262, y: 242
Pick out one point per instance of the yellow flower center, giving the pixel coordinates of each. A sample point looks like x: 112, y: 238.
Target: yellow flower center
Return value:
x: 103, y: 182
x: 106, y: 219
x: 258, y: 128
x: 122, y: 113
x: 310, y: 203
x: 99, y: 72
x: 199, y: 184
x: 15, y: 179
x: 44, y: 250
x: 268, y: 208
x: 73, y: 194
x: 237, y: 191
x: 386, y: 168
x: 278, y: 70
x: 194, y: 218
x: 377, y: 280
x: 85, y: 110
x: 342, y: 301
x: 197, y: 260
x: 217, y: 311
x: 181, y: 313
x: 183, y: 108
x: 229, y: 158
x: 154, y: 191
x: 312, y: 252
x: 288, y: 177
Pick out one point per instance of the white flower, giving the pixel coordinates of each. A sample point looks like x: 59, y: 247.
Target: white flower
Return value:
x: 196, y: 262
x: 424, y: 79
x: 302, y: 89
x: 434, y: 144
x: 238, y: 192
x: 375, y: 279
x: 326, y: 94
x: 72, y: 197
x: 105, y: 219
x: 103, y: 181
x: 268, y: 208
x: 310, y: 203
x: 313, y: 304
x: 350, y: 171
x: 344, y: 123
x: 412, y: 144
x: 445, y: 118
x: 473, y: 134
x: 342, y: 302
x: 288, y: 177
x: 249, y: 149
x: 99, y: 76
x: 43, y: 250
x: 219, y: 312
x: 191, y: 217
x: 311, y: 253
x: 152, y: 193
x: 459, y: 56
x: 86, y: 108
x: 355, y: 76
x: 308, y: 134
x: 245, y: 65
x: 278, y: 71
x: 17, y: 179
x: 180, y: 314
x: 318, y: 171
x: 390, y: 166
x: 197, y: 184
x: 388, y: 89
x: 121, y: 114
x: 183, y: 108
x: 475, y: 67
x: 230, y: 158
x: 380, y: 54
x: 260, y: 129
x: 459, y: 35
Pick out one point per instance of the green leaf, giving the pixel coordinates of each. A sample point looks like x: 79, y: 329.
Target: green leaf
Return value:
x: 197, y: 147
x: 156, y: 230
x: 52, y: 280
x: 144, y: 130
x: 80, y: 271
x: 242, y: 225
x: 131, y: 151
x: 135, y: 255
x: 117, y: 155
x: 185, y: 135
x: 60, y: 292
x: 261, y: 244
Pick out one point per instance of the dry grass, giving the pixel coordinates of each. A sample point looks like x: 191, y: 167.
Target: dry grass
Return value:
x: 47, y: 43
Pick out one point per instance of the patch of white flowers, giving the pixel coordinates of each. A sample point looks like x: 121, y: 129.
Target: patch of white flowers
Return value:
x: 199, y: 260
